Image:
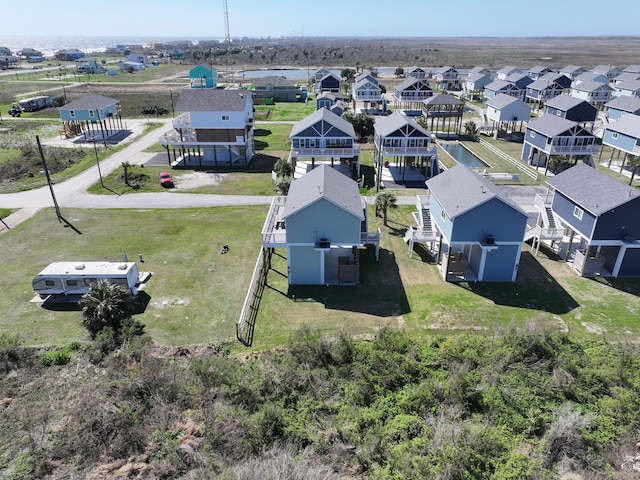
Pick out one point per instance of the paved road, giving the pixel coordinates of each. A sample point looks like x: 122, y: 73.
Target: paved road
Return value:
x: 73, y: 192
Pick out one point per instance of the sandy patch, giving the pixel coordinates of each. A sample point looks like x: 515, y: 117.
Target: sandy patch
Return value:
x: 199, y: 179
x: 593, y: 328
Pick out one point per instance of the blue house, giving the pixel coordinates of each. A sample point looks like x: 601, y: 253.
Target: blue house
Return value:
x: 322, y: 223
x: 620, y: 106
x: 538, y: 71
x: 328, y: 100
x: 323, y: 134
x: 480, y: 230
x: 603, y: 214
x: 203, y: 76
x: 551, y: 136
x: 546, y: 87
x: 571, y: 108
x: 409, y: 94
x: 328, y: 83
x: 520, y: 80
x: 502, y: 86
x: 95, y: 117
x: 623, y: 136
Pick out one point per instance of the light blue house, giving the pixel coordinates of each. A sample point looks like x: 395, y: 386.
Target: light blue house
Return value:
x: 474, y: 84
x: 322, y: 223
x: 497, y: 87
x: 203, y: 76
x: 551, y: 136
x: 504, y: 111
x: 95, y: 117
x: 623, y: 136
x: 620, y: 106
x: 480, y: 230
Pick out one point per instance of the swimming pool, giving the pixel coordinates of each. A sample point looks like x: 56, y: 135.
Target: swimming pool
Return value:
x: 462, y: 155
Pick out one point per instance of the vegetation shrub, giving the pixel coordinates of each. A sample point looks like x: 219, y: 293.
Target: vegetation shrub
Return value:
x: 29, y: 162
x: 9, y: 351
x: 59, y: 357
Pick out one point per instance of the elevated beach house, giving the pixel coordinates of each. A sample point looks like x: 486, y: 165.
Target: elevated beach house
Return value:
x: 551, y: 136
x: 323, y: 134
x: 93, y: 116
x: 203, y: 76
x: 572, y: 108
x: 623, y: 136
x: 322, y: 223
x: 621, y: 106
x: 601, y: 215
x: 504, y: 111
x: 479, y: 231
x: 215, y: 128
x: 408, y: 95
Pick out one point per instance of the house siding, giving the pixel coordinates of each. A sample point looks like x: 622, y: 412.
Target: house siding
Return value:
x: 565, y: 208
x: 340, y: 227
x: 499, y: 264
x: 489, y: 218
x: 623, y: 142
x: 304, y: 266
x: 631, y: 264
x: 610, y: 224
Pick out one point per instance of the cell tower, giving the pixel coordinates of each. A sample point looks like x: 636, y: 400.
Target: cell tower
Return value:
x: 227, y: 35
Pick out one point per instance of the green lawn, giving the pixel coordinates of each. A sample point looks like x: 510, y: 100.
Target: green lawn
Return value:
x: 286, y: 111
x: 196, y: 293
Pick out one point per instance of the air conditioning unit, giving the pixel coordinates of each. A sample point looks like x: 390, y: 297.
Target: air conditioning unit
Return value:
x: 489, y: 240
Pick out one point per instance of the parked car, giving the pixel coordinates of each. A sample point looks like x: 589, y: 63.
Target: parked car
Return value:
x: 165, y: 180
x: 15, y: 111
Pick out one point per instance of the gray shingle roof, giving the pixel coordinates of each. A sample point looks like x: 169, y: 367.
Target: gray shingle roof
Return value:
x: 387, y: 125
x: 551, y: 125
x: 627, y: 125
x: 474, y: 77
x: 460, y: 189
x: 507, y: 70
x: 591, y: 86
x: 411, y: 81
x: 631, y: 85
x: 324, y: 182
x: 499, y: 85
x: 542, y: 84
x: 592, y: 190
x: 89, y: 102
x: 625, y: 103
x: 502, y: 100
x: 212, y: 100
x: 275, y: 80
x: 319, y: 115
x: 443, y: 99
x: 564, y: 102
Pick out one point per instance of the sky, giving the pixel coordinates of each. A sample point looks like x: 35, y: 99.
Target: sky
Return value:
x: 302, y: 18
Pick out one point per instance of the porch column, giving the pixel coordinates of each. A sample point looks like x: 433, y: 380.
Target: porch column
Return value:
x: 566, y: 254
x: 618, y: 264
x: 483, y: 259
x: 322, y: 279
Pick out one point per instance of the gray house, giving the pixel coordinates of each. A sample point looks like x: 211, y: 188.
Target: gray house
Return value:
x: 601, y: 214
x: 480, y: 231
x: 322, y: 223
x: 505, y: 110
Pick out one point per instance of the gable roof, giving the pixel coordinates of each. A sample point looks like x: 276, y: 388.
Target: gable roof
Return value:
x: 323, y: 115
x: 594, y: 191
x: 413, y: 82
x: 445, y: 69
x: 591, y: 86
x: 365, y: 81
x: 565, y: 102
x: 631, y: 85
x: 89, y: 102
x: 571, y: 69
x: 632, y: 69
x: 474, y: 77
x: 507, y: 70
x: 275, y: 80
x: 324, y: 182
x: 544, y: 83
x: 551, y: 125
x: 443, y: 99
x: 212, y: 100
x: 460, y: 189
x: 363, y: 76
x: 500, y: 85
x: 625, y: 103
x: 592, y: 77
x: 502, y: 100
x: 538, y: 69
x: 387, y: 125
x: 627, y: 125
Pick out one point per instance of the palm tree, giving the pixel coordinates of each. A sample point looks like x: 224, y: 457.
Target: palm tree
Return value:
x: 283, y: 168
x: 633, y: 163
x: 106, y: 305
x: 385, y: 201
x: 470, y: 128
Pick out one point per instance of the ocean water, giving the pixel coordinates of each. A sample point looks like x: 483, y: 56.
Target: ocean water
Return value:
x: 48, y: 45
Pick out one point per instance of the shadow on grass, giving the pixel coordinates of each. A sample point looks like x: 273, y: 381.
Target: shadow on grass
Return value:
x: 534, y: 289
x: 626, y: 285
x: 69, y: 303
x: 261, y: 132
x: 368, y: 174
x: 260, y: 145
x: 379, y: 293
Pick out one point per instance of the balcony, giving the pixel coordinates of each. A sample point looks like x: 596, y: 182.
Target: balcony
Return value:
x: 368, y: 97
x: 410, y: 151
x: 334, y: 152
x: 573, y: 149
x: 182, y: 121
x: 188, y: 136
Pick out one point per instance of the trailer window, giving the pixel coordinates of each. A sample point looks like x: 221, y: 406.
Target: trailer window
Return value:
x: 72, y: 282
x: 49, y: 283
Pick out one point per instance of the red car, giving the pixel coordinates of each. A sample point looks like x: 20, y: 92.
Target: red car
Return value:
x: 165, y: 180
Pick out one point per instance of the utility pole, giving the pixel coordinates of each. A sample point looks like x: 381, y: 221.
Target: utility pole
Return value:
x: 46, y: 172
x: 95, y: 149
x: 227, y: 35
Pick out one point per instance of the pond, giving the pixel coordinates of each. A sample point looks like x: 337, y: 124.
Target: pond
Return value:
x: 462, y: 155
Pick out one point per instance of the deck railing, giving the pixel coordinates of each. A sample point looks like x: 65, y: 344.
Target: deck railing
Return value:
x: 516, y: 163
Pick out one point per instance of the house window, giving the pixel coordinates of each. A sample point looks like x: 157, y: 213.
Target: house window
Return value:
x: 91, y: 113
x: 577, y: 212
x: 225, y: 117
x: 532, y: 134
x: 72, y: 113
x: 614, y: 135
x: 443, y: 215
x: 558, y: 112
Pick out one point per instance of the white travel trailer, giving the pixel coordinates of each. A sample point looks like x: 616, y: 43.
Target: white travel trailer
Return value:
x: 75, y: 278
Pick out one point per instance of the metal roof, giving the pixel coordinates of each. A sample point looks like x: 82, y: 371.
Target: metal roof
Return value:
x: 592, y: 190
x: 324, y: 182
x: 591, y: 86
x: 460, y: 189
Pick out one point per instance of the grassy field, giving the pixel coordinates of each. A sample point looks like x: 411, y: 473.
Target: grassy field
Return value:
x: 196, y: 294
